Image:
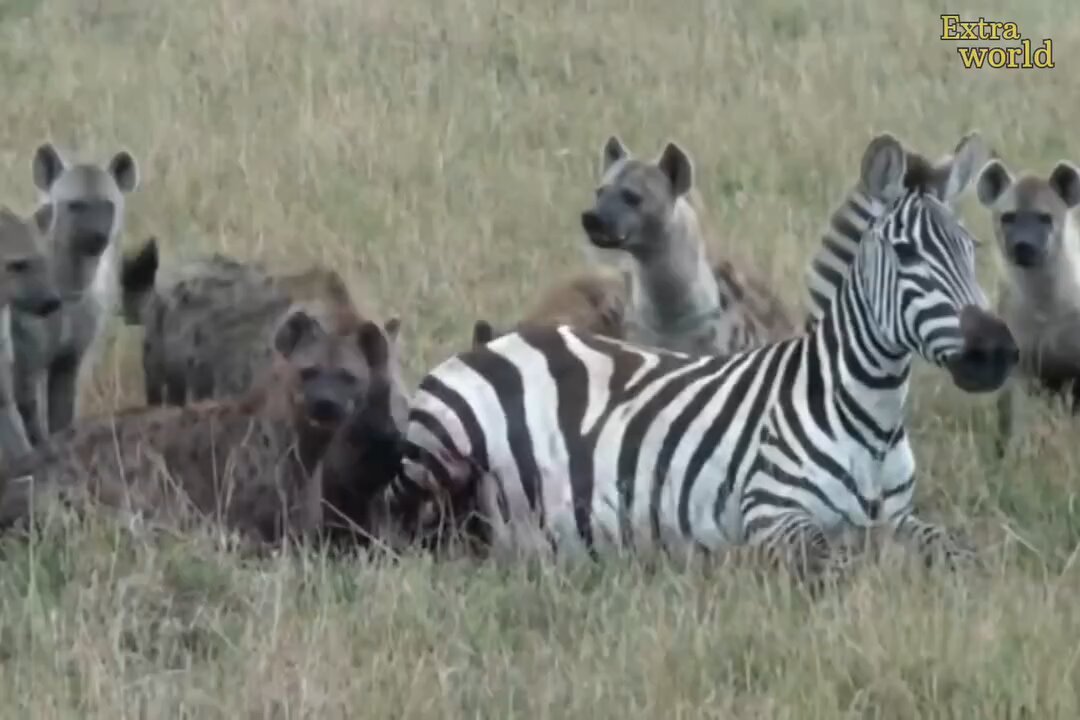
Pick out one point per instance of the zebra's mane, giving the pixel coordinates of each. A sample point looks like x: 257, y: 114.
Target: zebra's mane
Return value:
x: 831, y: 263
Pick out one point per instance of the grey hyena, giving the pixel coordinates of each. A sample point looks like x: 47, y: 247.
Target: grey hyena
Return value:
x: 26, y: 286
x: 678, y: 299
x: 1038, y: 241
x: 81, y: 214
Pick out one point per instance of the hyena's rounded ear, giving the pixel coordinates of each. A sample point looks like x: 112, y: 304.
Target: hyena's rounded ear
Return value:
x: 970, y: 155
x: 373, y: 344
x: 392, y: 328
x: 612, y: 152
x: 994, y: 179
x: 125, y: 171
x: 297, y: 328
x: 138, y: 270
x: 884, y: 163
x: 1065, y: 181
x: 482, y: 333
x: 47, y: 166
x: 676, y: 165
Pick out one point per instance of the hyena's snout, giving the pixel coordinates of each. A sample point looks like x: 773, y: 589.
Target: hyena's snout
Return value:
x: 92, y: 224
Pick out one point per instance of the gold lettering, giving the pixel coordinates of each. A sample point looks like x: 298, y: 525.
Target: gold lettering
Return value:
x: 948, y: 27
x: 972, y: 57
x: 1010, y: 31
x: 1046, y: 51
x: 996, y: 57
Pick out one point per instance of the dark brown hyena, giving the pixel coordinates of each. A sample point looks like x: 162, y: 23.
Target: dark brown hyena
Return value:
x: 247, y: 462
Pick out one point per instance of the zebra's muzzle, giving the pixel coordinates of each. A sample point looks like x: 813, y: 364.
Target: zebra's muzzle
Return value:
x: 988, y: 355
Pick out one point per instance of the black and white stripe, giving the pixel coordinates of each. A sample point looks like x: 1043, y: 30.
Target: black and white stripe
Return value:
x: 580, y: 443
x: 947, y: 179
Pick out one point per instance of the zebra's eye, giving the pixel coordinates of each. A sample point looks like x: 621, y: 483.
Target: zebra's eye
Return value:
x: 907, y: 253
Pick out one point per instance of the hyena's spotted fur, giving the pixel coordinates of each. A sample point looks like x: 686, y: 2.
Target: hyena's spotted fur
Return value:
x: 26, y: 286
x: 207, y: 325
x: 1038, y: 240
x: 678, y: 298
x: 81, y: 214
x: 247, y: 462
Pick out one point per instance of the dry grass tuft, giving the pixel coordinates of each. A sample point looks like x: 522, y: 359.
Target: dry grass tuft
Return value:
x: 438, y: 154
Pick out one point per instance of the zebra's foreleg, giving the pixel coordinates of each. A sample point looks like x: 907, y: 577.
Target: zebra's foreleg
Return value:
x: 934, y: 544
x: 795, y: 541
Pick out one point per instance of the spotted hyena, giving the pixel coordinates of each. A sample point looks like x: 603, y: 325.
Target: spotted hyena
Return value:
x: 246, y: 462
x: 678, y: 298
x: 1038, y: 242
x: 26, y: 286
x: 207, y: 324
x: 81, y: 214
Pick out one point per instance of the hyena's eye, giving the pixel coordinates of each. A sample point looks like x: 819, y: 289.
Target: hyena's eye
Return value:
x: 18, y: 266
x: 631, y: 198
x: 308, y: 373
x: 1045, y: 219
x: 1008, y: 218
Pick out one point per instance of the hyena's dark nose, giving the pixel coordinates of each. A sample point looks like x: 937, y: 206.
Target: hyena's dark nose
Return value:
x: 1025, y: 254
x: 591, y: 222
x: 325, y: 410
x: 48, y: 305
x: 92, y: 242
x: 597, y: 231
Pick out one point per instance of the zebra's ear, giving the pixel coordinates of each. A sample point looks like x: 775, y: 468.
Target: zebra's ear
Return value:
x: 612, y: 152
x: 1065, y: 181
x: 883, y: 166
x: 994, y: 179
x: 970, y: 155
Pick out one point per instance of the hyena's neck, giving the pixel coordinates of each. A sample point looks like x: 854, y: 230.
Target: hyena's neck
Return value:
x: 675, y: 285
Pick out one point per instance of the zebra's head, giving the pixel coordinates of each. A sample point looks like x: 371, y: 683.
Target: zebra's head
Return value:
x: 917, y: 270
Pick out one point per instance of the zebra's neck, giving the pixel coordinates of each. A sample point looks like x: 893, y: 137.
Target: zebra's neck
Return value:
x: 865, y: 374
x: 832, y: 262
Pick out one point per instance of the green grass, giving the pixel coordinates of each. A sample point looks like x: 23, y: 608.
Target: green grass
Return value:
x: 440, y: 154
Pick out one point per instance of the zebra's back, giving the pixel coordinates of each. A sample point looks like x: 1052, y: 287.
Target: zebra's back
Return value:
x: 573, y: 441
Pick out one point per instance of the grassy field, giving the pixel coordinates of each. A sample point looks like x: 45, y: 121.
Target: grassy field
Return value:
x: 440, y: 155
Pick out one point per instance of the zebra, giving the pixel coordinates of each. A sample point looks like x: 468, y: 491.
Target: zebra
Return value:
x: 946, y: 179
x: 572, y: 443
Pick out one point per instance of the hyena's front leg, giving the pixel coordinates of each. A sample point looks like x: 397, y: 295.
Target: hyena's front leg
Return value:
x: 31, y: 388
x: 14, y: 441
x: 63, y: 388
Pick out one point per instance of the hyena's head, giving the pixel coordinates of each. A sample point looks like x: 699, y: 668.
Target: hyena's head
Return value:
x: 81, y: 210
x: 1031, y: 215
x: 25, y: 281
x: 636, y: 200
x: 330, y: 373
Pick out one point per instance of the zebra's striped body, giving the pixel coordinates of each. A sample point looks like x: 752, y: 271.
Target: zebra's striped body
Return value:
x: 576, y: 442
x: 946, y: 180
